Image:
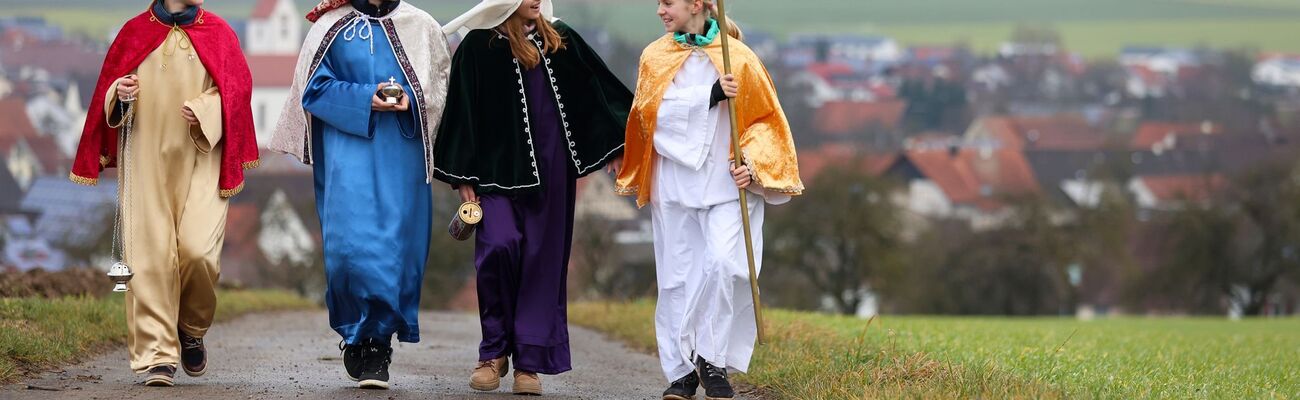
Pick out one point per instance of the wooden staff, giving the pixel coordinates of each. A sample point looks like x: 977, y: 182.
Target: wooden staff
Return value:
x: 739, y: 161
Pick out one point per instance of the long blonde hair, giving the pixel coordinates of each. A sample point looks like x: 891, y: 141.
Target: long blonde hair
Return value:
x: 523, y: 49
x: 711, y: 11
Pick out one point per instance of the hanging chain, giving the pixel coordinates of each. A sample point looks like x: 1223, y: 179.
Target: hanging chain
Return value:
x: 123, y: 151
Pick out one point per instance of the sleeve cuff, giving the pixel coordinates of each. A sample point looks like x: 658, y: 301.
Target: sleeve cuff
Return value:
x: 207, y: 108
x: 114, y: 112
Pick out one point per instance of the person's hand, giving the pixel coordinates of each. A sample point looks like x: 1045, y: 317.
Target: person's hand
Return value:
x: 730, y: 87
x: 614, y: 165
x: 189, y: 116
x: 127, y: 87
x: 467, y: 194
x: 742, y: 176
x: 377, y: 102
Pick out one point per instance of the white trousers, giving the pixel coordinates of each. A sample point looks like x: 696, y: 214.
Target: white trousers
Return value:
x: 705, y: 307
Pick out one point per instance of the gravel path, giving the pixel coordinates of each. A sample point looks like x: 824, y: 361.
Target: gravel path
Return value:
x: 294, y: 355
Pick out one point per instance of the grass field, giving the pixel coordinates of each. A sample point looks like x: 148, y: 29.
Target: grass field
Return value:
x: 817, y: 356
x: 37, y: 333
x: 1094, y: 28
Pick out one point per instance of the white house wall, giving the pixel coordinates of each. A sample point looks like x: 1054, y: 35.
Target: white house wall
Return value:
x: 267, y: 104
x: 926, y: 198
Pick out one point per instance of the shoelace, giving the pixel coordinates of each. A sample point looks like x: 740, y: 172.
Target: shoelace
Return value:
x: 486, y: 364
x: 715, y: 371
x: 343, y: 345
x: 189, y: 343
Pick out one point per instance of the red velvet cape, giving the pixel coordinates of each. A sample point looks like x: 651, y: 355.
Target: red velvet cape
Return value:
x: 219, y: 51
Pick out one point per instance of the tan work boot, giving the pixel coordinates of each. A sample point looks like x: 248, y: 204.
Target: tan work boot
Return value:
x: 487, y: 375
x: 527, y: 383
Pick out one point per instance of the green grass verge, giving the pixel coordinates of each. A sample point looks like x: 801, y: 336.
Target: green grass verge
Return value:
x: 37, y: 333
x: 821, y: 356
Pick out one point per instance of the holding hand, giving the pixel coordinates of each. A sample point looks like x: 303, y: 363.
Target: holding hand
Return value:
x: 377, y: 102
x: 742, y: 176
x: 730, y: 87
x: 614, y: 165
x: 189, y: 116
x: 127, y: 87
x: 467, y: 194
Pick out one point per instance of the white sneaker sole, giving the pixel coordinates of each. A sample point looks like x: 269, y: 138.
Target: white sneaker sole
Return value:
x: 373, y: 384
x: 160, y: 382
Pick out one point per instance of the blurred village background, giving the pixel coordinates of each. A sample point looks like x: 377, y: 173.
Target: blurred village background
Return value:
x: 1015, y: 157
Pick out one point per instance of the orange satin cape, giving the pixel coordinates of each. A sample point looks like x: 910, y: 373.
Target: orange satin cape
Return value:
x: 765, y: 138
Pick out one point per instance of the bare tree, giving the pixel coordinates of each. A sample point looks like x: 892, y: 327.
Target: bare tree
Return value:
x: 1238, y: 247
x: 844, y: 232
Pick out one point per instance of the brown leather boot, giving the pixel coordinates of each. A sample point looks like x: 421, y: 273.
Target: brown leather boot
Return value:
x: 527, y: 383
x: 487, y: 375
x: 161, y: 375
x: 194, y: 356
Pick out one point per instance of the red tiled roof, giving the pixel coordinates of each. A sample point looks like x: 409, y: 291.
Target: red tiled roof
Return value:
x: 828, y: 70
x: 240, y: 252
x: 60, y: 58
x: 813, y: 161
x: 953, y: 177
x: 242, y: 221
x: 1150, y: 133
x: 1005, y: 171
x: 17, y: 127
x: 49, y: 153
x: 1183, y: 187
x: 976, y: 177
x: 13, y: 111
x: 263, y: 9
x: 1152, y: 78
x: 272, y: 70
x: 840, y: 118
x: 937, y: 53
x: 1064, y: 132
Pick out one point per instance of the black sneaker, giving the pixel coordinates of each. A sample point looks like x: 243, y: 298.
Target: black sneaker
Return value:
x: 161, y: 375
x: 351, y: 359
x: 714, y: 380
x: 374, y: 365
x: 684, y: 388
x: 194, y: 356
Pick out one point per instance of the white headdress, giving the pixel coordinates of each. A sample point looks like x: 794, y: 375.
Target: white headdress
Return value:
x: 490, y: 13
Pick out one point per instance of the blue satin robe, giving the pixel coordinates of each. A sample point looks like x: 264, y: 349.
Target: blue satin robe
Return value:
x: 371, y: 194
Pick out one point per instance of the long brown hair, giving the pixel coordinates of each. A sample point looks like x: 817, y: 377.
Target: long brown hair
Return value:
x: 733, y: 30
x: 522, y: 48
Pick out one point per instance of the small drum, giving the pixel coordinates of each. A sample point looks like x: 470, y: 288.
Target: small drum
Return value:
x: 467, y: 217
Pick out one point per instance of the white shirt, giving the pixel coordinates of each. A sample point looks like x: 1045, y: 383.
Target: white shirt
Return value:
x: 693, y: 140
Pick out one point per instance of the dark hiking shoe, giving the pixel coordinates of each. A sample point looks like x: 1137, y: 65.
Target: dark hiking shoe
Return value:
x: 714, y: 380
x: 194, y: 356
x: 684, y: 388
x: 161, y: 375
x: 351, y: 359
x: 374, y: 365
